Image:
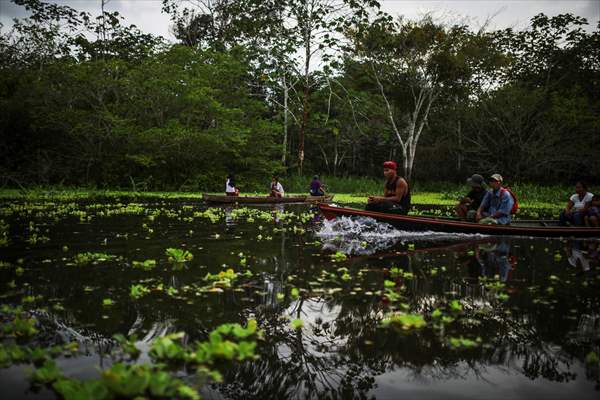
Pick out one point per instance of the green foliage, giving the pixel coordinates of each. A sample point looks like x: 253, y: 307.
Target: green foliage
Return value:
x: 178, y: 256
x: 404, y: 322
x: 82, y: 259
x: 48, y: 373
x: 462, y: 343
x: 592, y: 358
x: 20, y: 327
x: 166, y: 348
x: 138, y: 291
x: 146, y: 265
x: 71, y: 389
x: 128, y: 345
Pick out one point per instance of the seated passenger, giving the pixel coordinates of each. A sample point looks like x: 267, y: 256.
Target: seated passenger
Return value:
x: 396, y: 193
x: 468, y: 205
x: 593, y: 215
x: 496, y: 205
x: 316, y: 188
x: 577, y: 207
x: 276, y: 188
x: 230, y: 189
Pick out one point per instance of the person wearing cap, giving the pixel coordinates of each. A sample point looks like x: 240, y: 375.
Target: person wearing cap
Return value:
x: 396, y: 193
x: 468, y: 205
x: 496, y: 205
x: 316, y: 188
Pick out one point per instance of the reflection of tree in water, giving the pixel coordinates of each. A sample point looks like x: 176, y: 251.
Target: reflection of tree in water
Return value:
x: 341, y: 351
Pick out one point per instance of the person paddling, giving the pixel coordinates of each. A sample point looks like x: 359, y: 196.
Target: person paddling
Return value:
x: 396, y: 198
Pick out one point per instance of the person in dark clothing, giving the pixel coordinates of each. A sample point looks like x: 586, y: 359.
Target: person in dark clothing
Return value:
x: 468, y: 205
x: 316, y: 187
x: 396, y: 197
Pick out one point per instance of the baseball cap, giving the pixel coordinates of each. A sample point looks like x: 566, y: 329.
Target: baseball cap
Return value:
x: 496, y: 177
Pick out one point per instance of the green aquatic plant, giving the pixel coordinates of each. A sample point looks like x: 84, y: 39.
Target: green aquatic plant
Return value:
x: 297, y: 324
x: 338, y: 257
x: 167, y: 348
x: 138, y: 291
x: 592, y: 358
x: 463, y: 343
x: 4, y: 231
x: 82, y: 259
x: 47, y: 373
x: 178, y: 256
x: 108, y: 302
x: 226, y: 278
x: 403, y: 321
x: 220, y: 345
x: 34, y: 239
x: 71, y: 389
x: 20, y: 327
x: 127, y: 345
x: 146, y: 265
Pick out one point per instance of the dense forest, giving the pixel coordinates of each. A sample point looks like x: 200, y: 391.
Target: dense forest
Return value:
x: 257, y: 87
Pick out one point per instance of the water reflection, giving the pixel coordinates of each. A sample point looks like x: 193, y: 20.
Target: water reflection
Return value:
x: 491, y: 259
x: 535, y: 336
x: 582, y: 254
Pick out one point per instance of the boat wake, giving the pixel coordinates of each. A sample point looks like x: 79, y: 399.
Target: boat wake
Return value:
x: 366, y: 236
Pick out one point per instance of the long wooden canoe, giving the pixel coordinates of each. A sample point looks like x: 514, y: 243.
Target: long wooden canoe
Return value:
x: 212, y: 198
x: 420, y: 223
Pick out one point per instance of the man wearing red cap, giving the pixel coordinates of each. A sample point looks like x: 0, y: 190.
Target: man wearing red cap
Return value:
x: 396, y: 194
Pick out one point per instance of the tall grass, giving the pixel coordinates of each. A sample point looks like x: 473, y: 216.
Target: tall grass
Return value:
x: 346, y: 189
x: 430, y: 192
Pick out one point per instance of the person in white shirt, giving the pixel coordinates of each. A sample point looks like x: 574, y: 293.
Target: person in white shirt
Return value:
x: 230, y: 189
x: 577, y: 207
x: 276, y: 188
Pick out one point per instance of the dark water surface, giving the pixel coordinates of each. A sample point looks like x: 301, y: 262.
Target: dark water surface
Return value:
x: 521, y: 314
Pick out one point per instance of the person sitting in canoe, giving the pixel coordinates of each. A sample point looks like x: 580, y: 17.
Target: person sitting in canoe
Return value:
x: 276, y: 188
x: 577, y: 207
x: 468, y: 205
x: 593, y: 215
x: 316, y: 187
x: 396, y: 193
x: 497, y: 204
x: 230, y: 189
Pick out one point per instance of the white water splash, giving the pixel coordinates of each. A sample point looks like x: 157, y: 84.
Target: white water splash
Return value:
x: 366, y: 236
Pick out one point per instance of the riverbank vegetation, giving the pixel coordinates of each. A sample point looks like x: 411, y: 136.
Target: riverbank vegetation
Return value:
x: 307, y: 87
x: 346, y: 191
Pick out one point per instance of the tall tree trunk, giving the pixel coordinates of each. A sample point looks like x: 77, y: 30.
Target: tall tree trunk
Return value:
x: 303, y: 126
x: 307, y: 48
x: 285, y: 120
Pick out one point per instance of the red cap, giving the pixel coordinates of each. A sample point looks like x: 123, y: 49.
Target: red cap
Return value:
x: 390, y: 165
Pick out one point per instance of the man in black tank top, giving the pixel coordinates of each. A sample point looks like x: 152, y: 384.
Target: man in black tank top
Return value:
x: 396, y: 198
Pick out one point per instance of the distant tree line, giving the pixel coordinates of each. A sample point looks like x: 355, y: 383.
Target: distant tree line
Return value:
x: 256, y: 87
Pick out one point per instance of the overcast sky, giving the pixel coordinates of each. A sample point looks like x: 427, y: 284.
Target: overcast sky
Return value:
x: 146, y: 14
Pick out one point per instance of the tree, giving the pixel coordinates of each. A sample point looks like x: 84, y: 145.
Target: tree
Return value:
x: 413, y: 64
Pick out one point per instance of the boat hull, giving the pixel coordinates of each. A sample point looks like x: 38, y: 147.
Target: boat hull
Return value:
x: 264, y: 199
x: 418, y: 223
